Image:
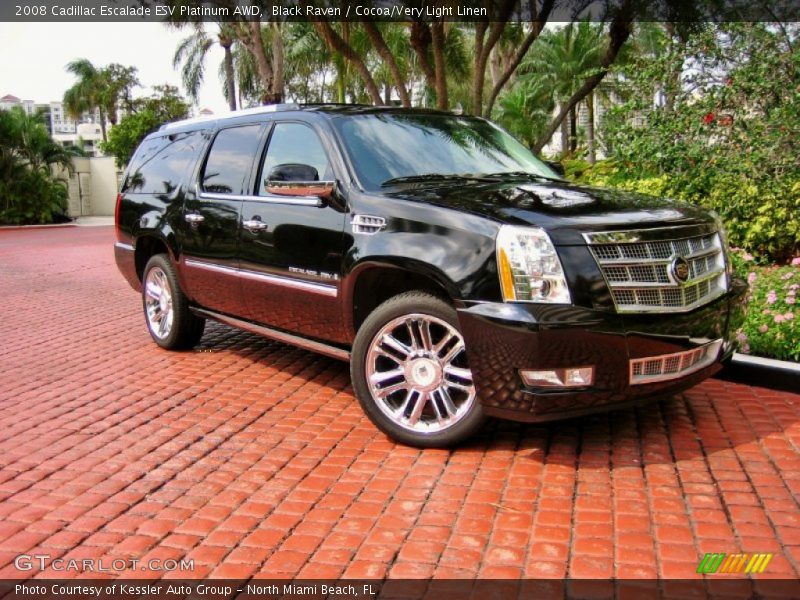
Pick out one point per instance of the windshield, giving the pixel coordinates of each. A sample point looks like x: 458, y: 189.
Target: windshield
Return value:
x: 389, y: 146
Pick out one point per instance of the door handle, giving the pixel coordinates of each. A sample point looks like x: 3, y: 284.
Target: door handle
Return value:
x: 194, y: 218
x: 254, y: 224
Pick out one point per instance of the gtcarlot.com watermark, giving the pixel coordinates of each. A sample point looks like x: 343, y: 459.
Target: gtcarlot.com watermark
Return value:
x: 31, y: 562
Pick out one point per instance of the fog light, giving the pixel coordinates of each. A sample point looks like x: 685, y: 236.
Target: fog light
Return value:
x: 571, y: 377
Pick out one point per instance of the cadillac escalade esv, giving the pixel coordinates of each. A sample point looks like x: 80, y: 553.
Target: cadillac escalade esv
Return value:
x: 458, y: 273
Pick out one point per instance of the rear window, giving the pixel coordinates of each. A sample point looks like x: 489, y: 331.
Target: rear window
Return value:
x: 160, y: 164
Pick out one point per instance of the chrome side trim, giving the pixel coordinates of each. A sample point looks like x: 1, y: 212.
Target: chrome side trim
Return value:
x: 288, y: 282
x: 655, y: 234
x: 665, y: 367
x: 276, y: 334
x: 123, y: 246
x: 270, y: 199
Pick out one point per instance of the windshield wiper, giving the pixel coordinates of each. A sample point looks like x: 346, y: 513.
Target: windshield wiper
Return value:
x: 438, y: 177
x: 521, y: 175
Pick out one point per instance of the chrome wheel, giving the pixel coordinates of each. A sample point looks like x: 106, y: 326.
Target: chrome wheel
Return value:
x: 418, y: 375
x: 158, y: 303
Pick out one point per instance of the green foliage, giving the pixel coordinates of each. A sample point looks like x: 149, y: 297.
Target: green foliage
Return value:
x: 148, y: 115
x: 772, y: 325
x: 726, y: 132
x: 29, y: 193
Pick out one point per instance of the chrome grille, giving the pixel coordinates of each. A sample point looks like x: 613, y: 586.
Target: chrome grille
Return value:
x: 672, y: 366
x: 639, y: 270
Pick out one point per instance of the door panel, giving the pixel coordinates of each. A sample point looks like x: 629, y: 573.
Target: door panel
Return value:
x: 291, y: 269
x: 209, y: 260
x: 291, y: 249
x: 210, y: 224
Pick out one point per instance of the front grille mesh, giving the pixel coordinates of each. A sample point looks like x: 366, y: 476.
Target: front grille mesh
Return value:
x: 639, y: 273
x: 672, y: 366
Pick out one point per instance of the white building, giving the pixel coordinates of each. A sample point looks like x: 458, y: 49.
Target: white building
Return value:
x: 85, y: 132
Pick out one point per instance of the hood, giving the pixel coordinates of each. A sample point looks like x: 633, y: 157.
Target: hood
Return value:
x: 565, y: 210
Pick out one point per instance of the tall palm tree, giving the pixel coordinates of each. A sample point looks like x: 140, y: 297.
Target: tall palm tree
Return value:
x: 566, y: 57
x: 88, y: 93
x: 191, y: 55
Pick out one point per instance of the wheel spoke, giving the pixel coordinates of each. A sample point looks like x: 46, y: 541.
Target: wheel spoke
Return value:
x: 395, y: 344
x: 384, y: 376
x: 454, y: 351
x: 153, y: 290
x: 447, y: 402
x: 414, y: 341
x: 458, y: 372
x: 391, y: 389
x: 425, y: 334
x: 447, y: 338
x: 416, y: 413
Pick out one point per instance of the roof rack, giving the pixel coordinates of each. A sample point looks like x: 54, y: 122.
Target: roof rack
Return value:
x: 257, y: 110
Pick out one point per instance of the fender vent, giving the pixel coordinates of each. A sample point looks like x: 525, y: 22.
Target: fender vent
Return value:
x: 367, y: 224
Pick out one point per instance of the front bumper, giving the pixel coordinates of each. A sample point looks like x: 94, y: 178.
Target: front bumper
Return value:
x: 501, y: 339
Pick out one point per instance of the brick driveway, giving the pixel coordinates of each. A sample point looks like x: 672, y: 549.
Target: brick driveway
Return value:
x: 249, y: 456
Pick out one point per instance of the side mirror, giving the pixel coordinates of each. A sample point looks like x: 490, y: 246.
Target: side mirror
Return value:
x: 294, y: 179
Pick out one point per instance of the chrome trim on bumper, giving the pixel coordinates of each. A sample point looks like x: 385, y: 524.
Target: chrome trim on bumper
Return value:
x: 665, y: 367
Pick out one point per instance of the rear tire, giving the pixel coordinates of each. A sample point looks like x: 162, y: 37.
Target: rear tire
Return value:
x: 410, y: 374
x: 166, y: 309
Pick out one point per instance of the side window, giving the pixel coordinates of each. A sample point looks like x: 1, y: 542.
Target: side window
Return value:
x: 292, y: 144
x: 230, y: 159
x: 160, y: 164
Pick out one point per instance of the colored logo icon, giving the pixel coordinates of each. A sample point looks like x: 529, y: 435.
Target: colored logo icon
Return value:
x: 719, y: 562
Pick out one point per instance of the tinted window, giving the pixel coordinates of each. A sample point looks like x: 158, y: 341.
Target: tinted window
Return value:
x: 161, y: 163
x: 295, y: 143
x: 386, y: 146
x: 230, y: 159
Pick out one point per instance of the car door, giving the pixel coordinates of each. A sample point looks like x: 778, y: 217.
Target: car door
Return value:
x: 210, y: 227
x: 291, y: 248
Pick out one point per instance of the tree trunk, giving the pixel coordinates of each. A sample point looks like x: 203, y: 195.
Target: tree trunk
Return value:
x: 420, y: 41
x: 250, y: 36
x: 386, y: 55
x: 590, y: 128
x: 483, y: 48
x: 230, y: 81
x: 564, y: 136
x: 618, y: 34
x: 103, y: 124
x: 437, y: 37
x: 277, y: 62
x: 513, y: 64
x: 335, y: 43
x: 573, y: 129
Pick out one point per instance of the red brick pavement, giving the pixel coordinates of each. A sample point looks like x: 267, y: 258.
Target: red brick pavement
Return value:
x: 251, y: 457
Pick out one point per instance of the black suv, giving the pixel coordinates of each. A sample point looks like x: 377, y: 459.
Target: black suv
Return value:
x: 458, y: 273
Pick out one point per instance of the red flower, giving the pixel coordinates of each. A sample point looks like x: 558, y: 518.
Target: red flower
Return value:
x: 709, y: 118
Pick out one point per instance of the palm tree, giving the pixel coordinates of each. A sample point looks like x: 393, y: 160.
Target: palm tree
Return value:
x: 101, y: 89
x: 191, y: 55
x: 87, y: 94
x: 566, y: 57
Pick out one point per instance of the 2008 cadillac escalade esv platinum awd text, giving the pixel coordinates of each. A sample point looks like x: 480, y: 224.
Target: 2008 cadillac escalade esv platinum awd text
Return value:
x: 459, y: 274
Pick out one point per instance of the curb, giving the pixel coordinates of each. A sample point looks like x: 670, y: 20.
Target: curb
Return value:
x: 45, y: 226
x: 762, y: 372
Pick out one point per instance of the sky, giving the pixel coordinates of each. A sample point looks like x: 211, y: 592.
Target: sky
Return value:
x: 34, y: 56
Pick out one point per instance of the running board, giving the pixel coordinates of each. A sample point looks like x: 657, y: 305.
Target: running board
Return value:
x: 275, y: 334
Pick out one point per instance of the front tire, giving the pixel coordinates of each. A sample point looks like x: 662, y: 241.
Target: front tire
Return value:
x: 410, y: 373
x: 166, y: 309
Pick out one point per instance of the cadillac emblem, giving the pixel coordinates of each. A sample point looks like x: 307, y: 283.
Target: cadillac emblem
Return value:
x: 679, y: 269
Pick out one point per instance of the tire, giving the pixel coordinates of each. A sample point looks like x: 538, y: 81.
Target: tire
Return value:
x: 418, y: 390
x: 166, y: 309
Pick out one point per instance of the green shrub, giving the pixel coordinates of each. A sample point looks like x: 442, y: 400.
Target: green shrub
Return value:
x: 32, y: 197
x: 772, y: 324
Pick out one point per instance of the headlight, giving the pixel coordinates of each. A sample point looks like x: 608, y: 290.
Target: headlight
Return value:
x: 529, y: 267
x: 723, y: 240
